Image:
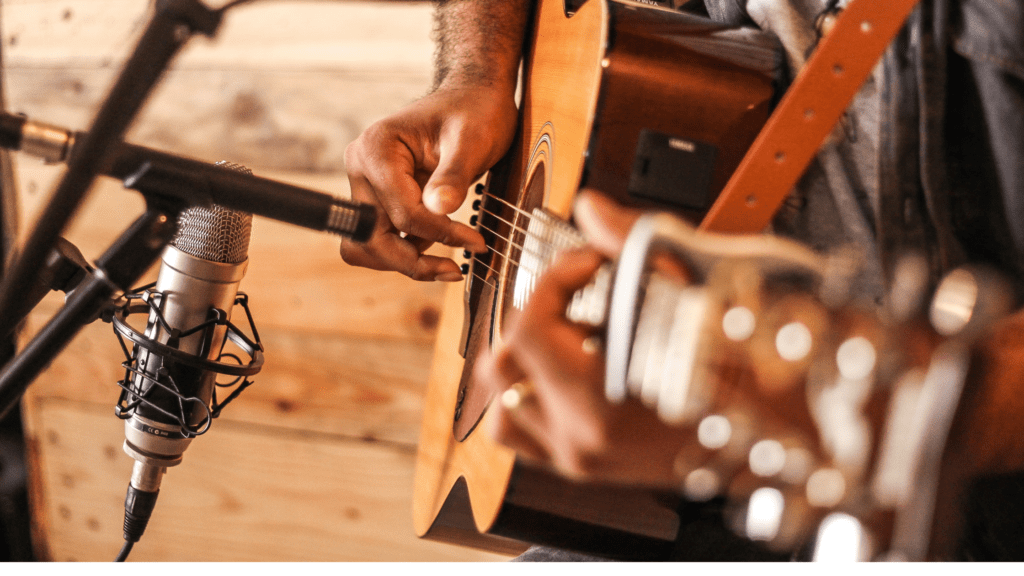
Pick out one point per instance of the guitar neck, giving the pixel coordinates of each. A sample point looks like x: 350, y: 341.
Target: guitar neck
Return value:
x: 815, y: 415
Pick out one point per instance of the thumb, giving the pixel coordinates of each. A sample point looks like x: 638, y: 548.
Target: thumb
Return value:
x: 457, y: 169
x: 444, y: 197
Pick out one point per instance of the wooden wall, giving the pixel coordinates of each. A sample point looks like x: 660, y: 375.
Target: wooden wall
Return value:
x: 315, y: 461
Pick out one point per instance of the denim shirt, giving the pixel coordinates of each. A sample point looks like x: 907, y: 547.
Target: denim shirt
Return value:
x: 929, y: 156
x: 946, y: 140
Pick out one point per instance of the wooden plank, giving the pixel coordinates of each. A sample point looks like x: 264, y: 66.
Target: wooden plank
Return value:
x: 242, y: 495
x: 286, y: 85
x: 314, y: 383
x: 269, y: 34
x: 287, y: 121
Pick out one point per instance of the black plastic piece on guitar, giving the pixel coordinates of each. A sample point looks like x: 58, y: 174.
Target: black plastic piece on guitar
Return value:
x: 673, y: 171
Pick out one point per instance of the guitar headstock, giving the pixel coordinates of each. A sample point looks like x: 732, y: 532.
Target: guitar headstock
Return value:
x: 818, y: 419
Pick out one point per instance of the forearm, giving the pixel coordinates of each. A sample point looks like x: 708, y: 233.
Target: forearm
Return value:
x: 479, y: 42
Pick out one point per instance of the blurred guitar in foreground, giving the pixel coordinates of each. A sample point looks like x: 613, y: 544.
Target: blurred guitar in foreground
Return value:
x: 818, y: 420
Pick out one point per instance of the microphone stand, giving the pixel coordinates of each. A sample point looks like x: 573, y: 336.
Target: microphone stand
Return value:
x: 169, y: 184
x: 116, y: 271
x: 173, y: 22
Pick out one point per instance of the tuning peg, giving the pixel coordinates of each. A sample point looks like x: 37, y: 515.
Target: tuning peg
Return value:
x: 968, y: 300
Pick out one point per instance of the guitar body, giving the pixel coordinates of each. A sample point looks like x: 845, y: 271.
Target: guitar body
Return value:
x: 652, y: 107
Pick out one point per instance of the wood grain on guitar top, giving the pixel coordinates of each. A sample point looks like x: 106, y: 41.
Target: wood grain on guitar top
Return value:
x: 594, y: 83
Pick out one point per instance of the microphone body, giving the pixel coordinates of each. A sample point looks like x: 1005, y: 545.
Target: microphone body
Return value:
x: 169, y: 397
x: 200, y: 272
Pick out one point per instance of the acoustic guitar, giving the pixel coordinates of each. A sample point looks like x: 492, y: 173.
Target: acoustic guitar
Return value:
x: 650, y: 106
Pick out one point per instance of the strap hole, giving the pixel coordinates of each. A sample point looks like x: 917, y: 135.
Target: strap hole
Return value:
x: 780, y: 156
x: 808, y: 113
x: 866, y: 27
x: 837, y: 69
x: 751, y: 201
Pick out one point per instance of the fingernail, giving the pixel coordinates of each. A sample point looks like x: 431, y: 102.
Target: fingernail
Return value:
x: 583, y: 212
x: 448, y: 277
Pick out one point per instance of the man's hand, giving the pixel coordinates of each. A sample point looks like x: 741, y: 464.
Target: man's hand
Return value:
x: 416, y: 168
x: 565, y: 421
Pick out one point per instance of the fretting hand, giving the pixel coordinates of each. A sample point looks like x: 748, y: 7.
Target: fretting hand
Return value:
x: 563, y: 419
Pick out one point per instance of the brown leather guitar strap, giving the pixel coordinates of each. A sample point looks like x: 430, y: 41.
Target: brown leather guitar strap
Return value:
x: 805, y: 116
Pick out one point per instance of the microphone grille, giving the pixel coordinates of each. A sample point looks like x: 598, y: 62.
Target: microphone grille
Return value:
x: 214, y: 232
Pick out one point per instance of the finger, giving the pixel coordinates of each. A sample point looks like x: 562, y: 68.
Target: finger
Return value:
x: 390, y: 252
x: 568, y: 273
x: 390, y: 175
x: 519, y: 429
x: 496, y: 370
x: 421, y: 244
x: 508, y: 429
x: 424, y: 224
x: 386, y: 250
x: 461, y: 161
x: 541, y: 329
x: 604, y: 222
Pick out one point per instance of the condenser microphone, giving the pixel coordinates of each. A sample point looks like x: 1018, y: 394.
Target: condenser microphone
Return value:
x: 169, y: 387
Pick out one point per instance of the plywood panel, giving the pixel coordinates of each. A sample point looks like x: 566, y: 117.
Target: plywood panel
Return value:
x: 373, y: 37
x: 330, y: 385
x: 285, y: 85
x: 241, y: 495
x: 286, y: 120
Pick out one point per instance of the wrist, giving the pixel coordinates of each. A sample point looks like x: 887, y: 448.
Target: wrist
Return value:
x: 496, y: 90
x: 472, y: 78
x: 480, y: 42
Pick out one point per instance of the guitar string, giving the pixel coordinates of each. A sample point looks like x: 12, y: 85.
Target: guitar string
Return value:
x: 566, y: 236
x: 513, y: 261
x: 525, y: 231
x: 524, y: 214
x: 506, y: 239
x: 523, y: 249
x: 541, y: 257
x: 507, y: 203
